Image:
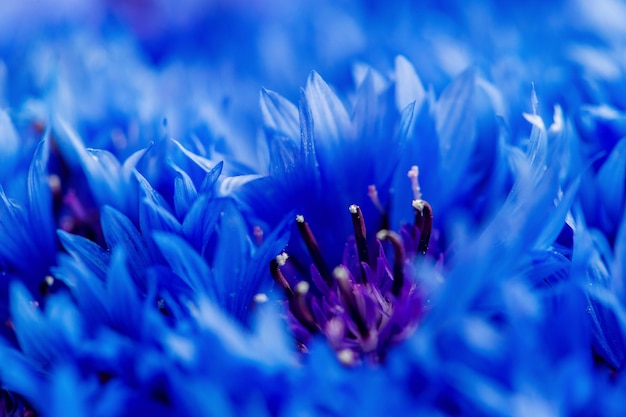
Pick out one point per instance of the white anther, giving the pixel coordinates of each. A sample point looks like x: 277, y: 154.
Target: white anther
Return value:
x: 261, y: 298
x: 302, y: 287
x: 281, y: 259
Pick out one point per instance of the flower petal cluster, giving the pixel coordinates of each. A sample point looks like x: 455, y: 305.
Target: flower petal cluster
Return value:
x: 441, y: 232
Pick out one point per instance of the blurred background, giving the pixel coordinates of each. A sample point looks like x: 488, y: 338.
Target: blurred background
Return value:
x: 116, y: 69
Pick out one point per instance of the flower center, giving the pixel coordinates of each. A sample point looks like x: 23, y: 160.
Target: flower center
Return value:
x: 365, y: 305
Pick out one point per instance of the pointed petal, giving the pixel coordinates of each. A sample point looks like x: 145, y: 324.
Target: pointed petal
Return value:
x: 187, y: 264
x: 409, y: 88
x: 230, y: 257
x: 18, y: 248
x: 87, y: 252
x: 204, y: 163
x: 331, y: 120
x: 279, y: 114
x: 209, y: 181
x: 184, y: 193
x: 309, y: 166
x: 153, y: 217
x: 455, y: 118
x: 200, y: 222
x: 40, y: 202
x: 120, y: 232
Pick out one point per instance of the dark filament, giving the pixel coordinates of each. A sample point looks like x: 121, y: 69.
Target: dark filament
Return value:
x: 314, y: 249
x: 398, y: 259
x: 359, y: 235
x: 423, y: 222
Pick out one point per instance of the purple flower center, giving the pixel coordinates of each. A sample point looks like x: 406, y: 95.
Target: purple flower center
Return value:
x: 366, y: 304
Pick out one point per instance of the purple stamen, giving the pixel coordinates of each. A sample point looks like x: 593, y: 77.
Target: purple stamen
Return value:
x: 342, y: 275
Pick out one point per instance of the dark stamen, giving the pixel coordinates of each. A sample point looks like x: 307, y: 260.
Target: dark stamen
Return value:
x: 345, y: 290
x: 398, y: 259
x: 424, y: 222
x: 301, y: 310
x: 278, y: 276
x: 359, y: 235
x: 314, y: 249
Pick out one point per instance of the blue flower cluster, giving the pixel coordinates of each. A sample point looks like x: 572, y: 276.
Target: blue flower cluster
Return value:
x: 433, y: 222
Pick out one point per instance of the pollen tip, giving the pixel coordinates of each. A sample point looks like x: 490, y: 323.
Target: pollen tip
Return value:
x: 261, y: 298
x: 300, y: 218
x: 258, y: 234
x: 413, y: 172
x: 54, y: 182
x: 302, y: 287
x: 49, y: 280
x: 382, y: 234
x: 340, y: 273
x: 281, y: 259
x: 418, y: 204
x: 346, y: 357
x: 353, y: 208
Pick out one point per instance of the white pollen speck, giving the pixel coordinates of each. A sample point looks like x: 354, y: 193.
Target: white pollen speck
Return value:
x: 302, y: 287
x: 353, y: 208
x: 418, y: 204
x: 55, y: 183
x: 49, y: 280
x: 282, y: 259
x: 340, y: 273
x: 382, y: 234
x: 300, y: 218
x: 261, y: 298
x: 346, y: 357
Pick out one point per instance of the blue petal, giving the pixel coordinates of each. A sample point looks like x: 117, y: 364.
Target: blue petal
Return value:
x: 184, y: 193
x: 88, y: 291
x: 18, y: 248
x: 67, y: 397
x: 202, y: 162
x: 10, y: 145
x: 124, y: 304
x: 611, y: 182
x: 455, y: 124
x: 309, y: 167
x: 40, y: 202
x: 120, y: 232
x: 234, y: 290
x: 154, y: 217
x: 44, y: 339
x: 209, y: 181
x: 329, y: 114
x: 200, y: 222
x: 187, y: 264
x: 279, y: 114
x: 284, y: 153
x: 409, y: 88
x: 89, y: 253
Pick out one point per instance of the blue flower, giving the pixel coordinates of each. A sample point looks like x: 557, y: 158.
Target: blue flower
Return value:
x: 386, y: 243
